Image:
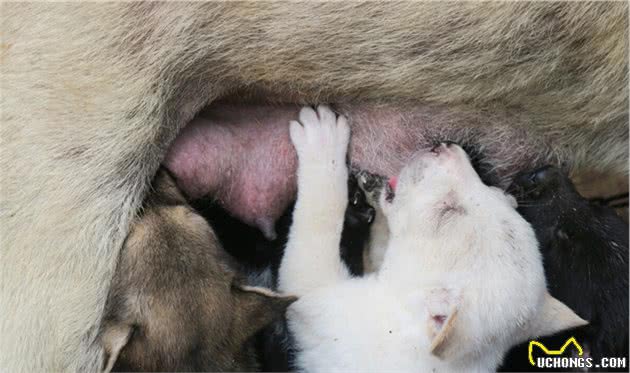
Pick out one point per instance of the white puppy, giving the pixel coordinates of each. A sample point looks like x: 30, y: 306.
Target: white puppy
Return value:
x: 461, y: 280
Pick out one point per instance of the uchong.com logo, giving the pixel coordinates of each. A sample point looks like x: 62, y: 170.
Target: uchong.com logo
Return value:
x: 567, y: 358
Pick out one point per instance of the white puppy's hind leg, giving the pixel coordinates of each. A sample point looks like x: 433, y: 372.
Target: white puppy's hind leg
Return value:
x: 311, y: 258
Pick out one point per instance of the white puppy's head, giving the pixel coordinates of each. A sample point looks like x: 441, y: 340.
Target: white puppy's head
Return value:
x: 475, y: 258
x: 436, y: 185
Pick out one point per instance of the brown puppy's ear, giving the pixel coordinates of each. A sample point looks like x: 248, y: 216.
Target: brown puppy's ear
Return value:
x: 442, y: 305
x: 554, y: 317
x: 165, y: 190
x: 114, y: 337
x: 258, y: 306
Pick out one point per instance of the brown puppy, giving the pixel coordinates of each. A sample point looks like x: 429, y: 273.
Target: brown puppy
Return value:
x: 175, y: 303
x: 93, y: 94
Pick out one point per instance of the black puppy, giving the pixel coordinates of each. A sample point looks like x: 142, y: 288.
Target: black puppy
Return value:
x: 585, y: 255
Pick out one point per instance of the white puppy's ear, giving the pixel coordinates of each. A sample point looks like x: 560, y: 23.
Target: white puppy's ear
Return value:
x: 508, y: 197
x: 511, y: 200
x: 554, y: 317
x: 114, y: 338
x: 442, y: 305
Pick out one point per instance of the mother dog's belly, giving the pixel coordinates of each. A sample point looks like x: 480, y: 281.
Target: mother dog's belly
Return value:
x: 241, y: 155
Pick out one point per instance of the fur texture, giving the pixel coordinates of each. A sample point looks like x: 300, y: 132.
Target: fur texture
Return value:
x: 177, y: 302
x: 374, y: 186
x: 261, y: 258
x: 585, y: 255
x: 461, y: 281
x: 93, y: 93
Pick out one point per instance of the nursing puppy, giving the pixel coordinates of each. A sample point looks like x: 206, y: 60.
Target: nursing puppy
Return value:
x: 176, y: 302
x: 461, y: 282
x: 275, y: 342
x: 115, y: 82
x: 514, y: 54
x: 585, y: 256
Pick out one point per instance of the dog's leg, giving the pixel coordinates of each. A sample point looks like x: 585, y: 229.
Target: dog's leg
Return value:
x: 311, y: 258
x: 374, y: 186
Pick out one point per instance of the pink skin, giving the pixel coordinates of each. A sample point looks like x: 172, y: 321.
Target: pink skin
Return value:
x: 241, y: 155
x: 246, y: 166
x: 392, y: 182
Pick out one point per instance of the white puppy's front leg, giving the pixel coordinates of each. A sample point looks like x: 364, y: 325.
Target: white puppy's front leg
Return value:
x: 311, y: 257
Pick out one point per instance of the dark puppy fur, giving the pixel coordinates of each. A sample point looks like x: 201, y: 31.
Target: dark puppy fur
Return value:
x: 356, y: 226
x: 176, y: 302
x: 585, y: 252
x: 248, y: 246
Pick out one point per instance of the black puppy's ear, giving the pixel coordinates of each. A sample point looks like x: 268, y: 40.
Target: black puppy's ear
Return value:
x: 114, y: 337
x: 510, y: 199
x: 259, y: 306
x: 165, y: 190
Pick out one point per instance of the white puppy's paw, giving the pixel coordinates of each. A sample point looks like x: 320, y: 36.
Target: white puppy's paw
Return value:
x: 320, y: 138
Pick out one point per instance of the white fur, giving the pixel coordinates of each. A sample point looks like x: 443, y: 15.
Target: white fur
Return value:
x: 92, y: 95
x: 321, y: 145
x: 374, y: 251
x: 476, y: 265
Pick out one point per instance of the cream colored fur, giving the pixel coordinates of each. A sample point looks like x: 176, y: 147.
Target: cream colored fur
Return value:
x: 93, y: 93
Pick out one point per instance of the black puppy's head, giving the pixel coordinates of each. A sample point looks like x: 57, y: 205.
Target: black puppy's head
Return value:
x: 548, y: 200
x: 585, y: 255
x: 543, y: 183
x: 584, y: 245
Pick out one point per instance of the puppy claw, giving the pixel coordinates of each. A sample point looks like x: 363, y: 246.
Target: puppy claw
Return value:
x: 320, y: 137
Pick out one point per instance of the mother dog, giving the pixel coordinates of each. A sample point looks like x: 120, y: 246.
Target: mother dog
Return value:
x: 93, y: 94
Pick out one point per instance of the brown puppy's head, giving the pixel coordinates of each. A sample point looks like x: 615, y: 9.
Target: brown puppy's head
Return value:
x: 176, y: 302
